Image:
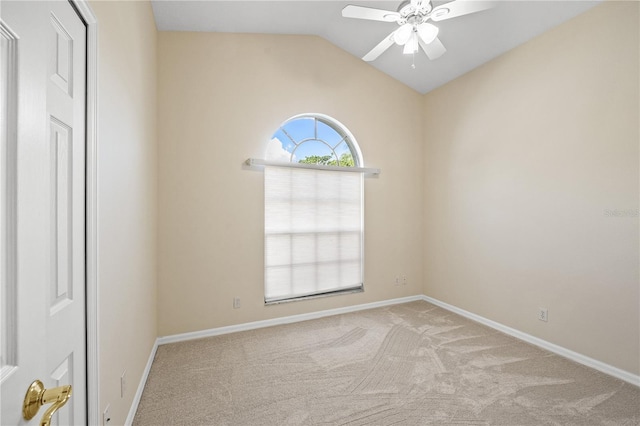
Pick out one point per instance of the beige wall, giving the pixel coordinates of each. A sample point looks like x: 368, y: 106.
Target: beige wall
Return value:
x: 127, y: 165
x: 523, y: 158
x: 221, y: 97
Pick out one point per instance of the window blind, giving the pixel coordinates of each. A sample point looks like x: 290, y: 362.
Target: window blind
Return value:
x: 313, y: 232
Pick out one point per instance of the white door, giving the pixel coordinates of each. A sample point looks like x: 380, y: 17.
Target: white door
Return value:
x: 43, y: 207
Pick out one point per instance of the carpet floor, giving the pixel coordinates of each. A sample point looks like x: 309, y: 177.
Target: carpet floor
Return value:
x: 408, y: 364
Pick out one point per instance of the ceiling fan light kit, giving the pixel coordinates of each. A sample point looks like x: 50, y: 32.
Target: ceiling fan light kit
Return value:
x: 402, y: 34
x: 415, y: 30
x: 411, y: 46
x: 428, y: 32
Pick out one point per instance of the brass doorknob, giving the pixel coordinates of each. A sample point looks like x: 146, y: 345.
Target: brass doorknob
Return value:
x: 38, y: 396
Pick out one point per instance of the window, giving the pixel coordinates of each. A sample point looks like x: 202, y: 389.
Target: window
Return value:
x: 313, y: 210
x: 314, y: 139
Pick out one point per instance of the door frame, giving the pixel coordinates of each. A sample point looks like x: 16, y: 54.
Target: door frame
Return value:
x: 91, y: 214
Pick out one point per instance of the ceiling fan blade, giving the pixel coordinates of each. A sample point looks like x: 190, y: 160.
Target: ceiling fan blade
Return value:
x: 434, y: 50
x: 458, y: 8
x: 360, y: 12
x: 379, y: 49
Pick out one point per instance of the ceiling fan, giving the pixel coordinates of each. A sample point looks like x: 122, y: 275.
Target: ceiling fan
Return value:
x: 415, y: 30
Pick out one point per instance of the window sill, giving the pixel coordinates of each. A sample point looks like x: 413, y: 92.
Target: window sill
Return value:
x: 315, y: 296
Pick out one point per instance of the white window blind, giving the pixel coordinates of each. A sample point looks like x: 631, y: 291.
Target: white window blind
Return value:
x: 313, y: 232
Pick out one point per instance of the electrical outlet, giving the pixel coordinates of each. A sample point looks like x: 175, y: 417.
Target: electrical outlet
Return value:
x: 404, y: 280
x: 123, y: 383
x: 106, y: 416
x: 397, y: 281
x: 236, y: 303
x: 543, y: 314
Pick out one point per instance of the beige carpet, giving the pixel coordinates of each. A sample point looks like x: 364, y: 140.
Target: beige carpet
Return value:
x: 409, y: 364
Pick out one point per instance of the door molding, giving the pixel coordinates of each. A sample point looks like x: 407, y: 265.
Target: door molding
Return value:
x: 91, y: 221
x: 10, y: 209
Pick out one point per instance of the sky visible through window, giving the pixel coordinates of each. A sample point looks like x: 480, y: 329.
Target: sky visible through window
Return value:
x: 309, y: 140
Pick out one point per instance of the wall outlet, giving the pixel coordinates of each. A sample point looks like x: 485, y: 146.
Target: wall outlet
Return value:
x: 404, y: 280
x: 543, y: 314
x: 106, y: 416
x: 123, y: 383
x: 236, y: 303
x: 396, y: 282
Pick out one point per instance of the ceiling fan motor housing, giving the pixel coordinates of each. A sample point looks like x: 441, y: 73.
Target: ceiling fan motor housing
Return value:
x: 407, y: 9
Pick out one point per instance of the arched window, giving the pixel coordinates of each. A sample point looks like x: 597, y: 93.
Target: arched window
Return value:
x: 313, y: 210
x: 314, y: 139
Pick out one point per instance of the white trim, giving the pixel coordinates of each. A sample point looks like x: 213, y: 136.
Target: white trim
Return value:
x: 280, y: 321
x: 257, y: 162
x: 92, y: 306
x: 143, y: 381
x: 551, y: 347
x: 8, y: 319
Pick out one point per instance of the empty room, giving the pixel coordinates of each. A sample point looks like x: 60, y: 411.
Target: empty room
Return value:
x: 320, y: 212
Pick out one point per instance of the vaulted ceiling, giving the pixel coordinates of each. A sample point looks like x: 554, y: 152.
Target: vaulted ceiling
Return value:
x: 470, y: 40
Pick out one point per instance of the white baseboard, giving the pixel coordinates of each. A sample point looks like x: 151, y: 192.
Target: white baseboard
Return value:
x: 141, y: 385
x: 551, y: 347
x: 282, y: 320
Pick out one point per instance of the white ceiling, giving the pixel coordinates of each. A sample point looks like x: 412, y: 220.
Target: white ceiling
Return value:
x: 470, y: 40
